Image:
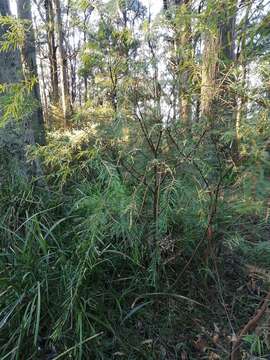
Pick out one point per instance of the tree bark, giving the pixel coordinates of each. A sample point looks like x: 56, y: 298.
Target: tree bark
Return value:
x: 29, y: 65
x: 209, y: 72
x: 183, y: 57
x: 11, y: 134
x: 15, y: 136
x: 52, y: 51
x: 218, y: 56
x: 42, y: 82
x: 85, y: 79
x: 241, y: 102
x: 66, y: 103
x: 184, y: 50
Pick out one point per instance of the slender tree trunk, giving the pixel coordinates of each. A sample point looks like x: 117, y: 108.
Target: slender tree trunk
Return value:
x: 209, y: 72
x: 73, y: 77
x: 50, y: 27
x: 184, y: 50
x: 241, y: 103
x: 66, y: 103
x: 29, y: 65
x: 184, y: 55
x: 73, y: 53
x: 44, y: 95
x: 227, y: 66
x: 218, y: 57
x: 44, y: 100
x: 85, y: 79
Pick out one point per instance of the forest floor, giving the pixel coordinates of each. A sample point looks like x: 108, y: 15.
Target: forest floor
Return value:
x: 170, y: 328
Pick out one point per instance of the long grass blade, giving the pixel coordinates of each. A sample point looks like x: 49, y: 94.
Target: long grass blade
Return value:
x: 77, y: 345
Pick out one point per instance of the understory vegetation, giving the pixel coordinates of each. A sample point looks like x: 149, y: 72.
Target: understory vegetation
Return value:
x: 139, y: 228
x: 86, y: 270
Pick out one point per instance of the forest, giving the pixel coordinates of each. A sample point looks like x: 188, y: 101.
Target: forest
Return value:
x: 134, y: 179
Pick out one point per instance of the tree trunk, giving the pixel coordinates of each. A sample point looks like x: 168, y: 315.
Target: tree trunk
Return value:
x: 184, y: 51
x: 29, y: 65
x: 66, y: 103
x: 11, y: 143
x: 15, y: 136
x: 183, y: 57
x: 42, y: 82
x: 52, y: 52
x: 46, y: 117
x: 165, y: 5
x: 209, y: 72
x: 241, y: 102
x: 85, y: 79
x: 218, y: 57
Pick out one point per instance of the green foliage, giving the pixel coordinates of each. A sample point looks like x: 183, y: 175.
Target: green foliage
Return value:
x: 14, y: 36
x: 16, y: 100
x: 257, y: 345
x: 141, y: 210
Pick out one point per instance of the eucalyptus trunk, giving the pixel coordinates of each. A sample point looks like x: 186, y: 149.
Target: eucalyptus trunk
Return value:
x: 29, y: 66
x: 209, y: 72
x: 12, y: 149
x: 15, y: 136
x: 66, y: 103
x: 218, y: 58
x: 185, y: 52
x: 50, y: 27
x: 241, y: 99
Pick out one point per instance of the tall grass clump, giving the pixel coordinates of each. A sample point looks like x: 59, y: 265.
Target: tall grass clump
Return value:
x: 62, y: 251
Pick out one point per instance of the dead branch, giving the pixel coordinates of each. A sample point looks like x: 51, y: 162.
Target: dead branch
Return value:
x: 250, y: 326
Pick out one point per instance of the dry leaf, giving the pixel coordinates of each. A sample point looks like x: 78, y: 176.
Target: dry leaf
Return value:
x: 215, y: 339
x: 200, y: 344
x: 232, y: 338
x: 213, y: 356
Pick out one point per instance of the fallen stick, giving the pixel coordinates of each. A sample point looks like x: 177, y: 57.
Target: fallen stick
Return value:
x: 250, y: 326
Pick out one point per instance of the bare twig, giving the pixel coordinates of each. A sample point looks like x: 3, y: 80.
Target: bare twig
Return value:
x: 250, y: 326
